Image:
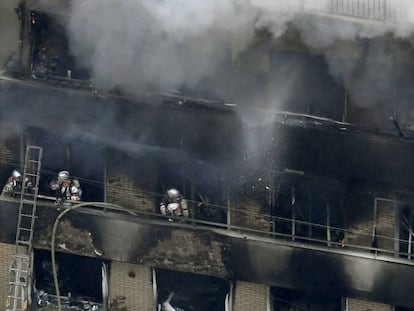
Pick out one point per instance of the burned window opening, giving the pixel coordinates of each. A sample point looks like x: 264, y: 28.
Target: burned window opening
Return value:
x: 405, y: 223
x: 406, y: 230
x: 49, y: 49
x: 309, y: 208
x: 80, y: 281
x: 290, y: 300
x: 83, y: 159
x: 201, y: 184
x: 190, y: 291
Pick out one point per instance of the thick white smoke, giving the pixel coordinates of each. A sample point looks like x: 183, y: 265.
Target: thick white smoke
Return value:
x: 139, y: 44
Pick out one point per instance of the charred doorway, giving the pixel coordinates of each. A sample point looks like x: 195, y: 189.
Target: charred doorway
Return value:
x: 82, y: 282
x: 190, y: 292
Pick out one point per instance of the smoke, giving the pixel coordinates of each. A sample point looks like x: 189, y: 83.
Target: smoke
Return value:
x: 9, y: 31
x: 135, y: 45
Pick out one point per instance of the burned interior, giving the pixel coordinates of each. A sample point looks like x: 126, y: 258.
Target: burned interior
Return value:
x: 81, y: 281
x: 49, y: 48
x: 192, y: 292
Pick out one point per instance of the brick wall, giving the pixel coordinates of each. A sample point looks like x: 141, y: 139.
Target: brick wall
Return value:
x: 246, y: 212
x: 6, y: 252
x: 250, y: 296
x: 130, y: 287
x: 364, y: 305
x: 131, y: 181
x: 121, y: 190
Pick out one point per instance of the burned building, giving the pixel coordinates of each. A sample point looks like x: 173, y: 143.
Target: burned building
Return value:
x: 287, y: 131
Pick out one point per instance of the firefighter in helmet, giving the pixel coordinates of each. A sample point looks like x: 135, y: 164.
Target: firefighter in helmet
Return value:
x: 173, y: 204
x: 66, y: 189
x: 14, y: 184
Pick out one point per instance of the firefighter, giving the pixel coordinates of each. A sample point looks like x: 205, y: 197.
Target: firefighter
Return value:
x: 173, y: 204
x: 66, y: 189
x: 14, y: 184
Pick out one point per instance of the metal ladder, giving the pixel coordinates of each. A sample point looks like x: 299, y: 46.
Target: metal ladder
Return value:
x: 21, y: 262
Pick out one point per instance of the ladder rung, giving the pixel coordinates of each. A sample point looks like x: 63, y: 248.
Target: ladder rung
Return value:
x: 21, y: 256
x: 33, y: 161
x: 22, y: 298
x: 28, y: 215
x: 18, y: 283
x: 28, y: 147
x: 22, y: 253
x: 23, y: 242
x: 27, y: 201
x: 23, y: 271
x: 25, y: 229
x: 33, y: 175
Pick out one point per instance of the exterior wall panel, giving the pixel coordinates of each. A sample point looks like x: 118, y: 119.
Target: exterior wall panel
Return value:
x: 250, y: 296
x: 6, y: 252
x: 130, y: 287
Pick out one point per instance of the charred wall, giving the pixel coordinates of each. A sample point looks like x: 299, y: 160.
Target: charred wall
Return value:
x: 138, y: 149
x: 226, y: 254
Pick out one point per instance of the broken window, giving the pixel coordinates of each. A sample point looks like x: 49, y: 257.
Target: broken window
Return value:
x: 190, y: 292
x: 82, y: 283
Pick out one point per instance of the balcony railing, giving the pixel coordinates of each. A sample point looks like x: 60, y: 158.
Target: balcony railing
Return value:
x: 394, y: 11
x: 283, y: 230
x: 390, y: 11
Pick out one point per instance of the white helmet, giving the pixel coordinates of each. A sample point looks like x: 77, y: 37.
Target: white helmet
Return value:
x: 63, y: 175
x: 173, y: 193
x: 16, y: 174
